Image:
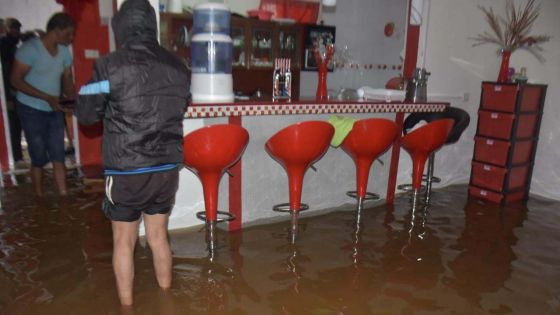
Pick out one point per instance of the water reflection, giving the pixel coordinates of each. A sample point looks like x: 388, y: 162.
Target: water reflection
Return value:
x: 412, y: 261
x: 455, y: 257
x: 485, y: 247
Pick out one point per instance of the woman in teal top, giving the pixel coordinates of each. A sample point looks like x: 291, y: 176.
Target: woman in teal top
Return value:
x: 41, y: 74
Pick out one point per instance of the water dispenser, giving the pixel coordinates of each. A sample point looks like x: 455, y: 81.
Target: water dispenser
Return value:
x: 211, y: 54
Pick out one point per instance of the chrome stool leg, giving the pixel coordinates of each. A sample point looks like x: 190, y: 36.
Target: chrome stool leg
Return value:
x: 211, y: 227
x: 415, y: 198
x: 368, y: 196
x: 294, y: 227
x: 430, y: 177
x: 211, y: 235
x: 360, y: 205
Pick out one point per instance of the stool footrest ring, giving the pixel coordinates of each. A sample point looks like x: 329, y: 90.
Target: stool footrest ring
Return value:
x: 285, y: 207
x: 222, y: 216
x: 369, y: 196
x: 434, y: 179
x: 408, y: 187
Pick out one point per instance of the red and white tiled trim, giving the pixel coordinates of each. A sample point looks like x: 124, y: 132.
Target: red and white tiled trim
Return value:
x: 298, y: 108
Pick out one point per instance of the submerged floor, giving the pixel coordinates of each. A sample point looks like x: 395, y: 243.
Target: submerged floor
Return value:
x: 459, y: 256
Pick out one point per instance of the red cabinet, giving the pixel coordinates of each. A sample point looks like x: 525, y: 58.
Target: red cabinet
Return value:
x: 506, y: 141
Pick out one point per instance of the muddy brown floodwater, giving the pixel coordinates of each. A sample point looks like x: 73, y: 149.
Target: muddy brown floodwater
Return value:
x: 457, y: 256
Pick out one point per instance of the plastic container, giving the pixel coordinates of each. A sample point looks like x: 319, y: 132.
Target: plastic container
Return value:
x: 500, y: 125
x: 489, y: 195
x: 260, y: 14
x: 211, y: 18
x: 211, y: 63
x: 498, y: 97
x: 211, y: 53
x: 497, y: 151
x: 493, y: 178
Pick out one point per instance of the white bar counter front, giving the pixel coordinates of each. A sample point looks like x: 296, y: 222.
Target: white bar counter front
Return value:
x: 259, y: 182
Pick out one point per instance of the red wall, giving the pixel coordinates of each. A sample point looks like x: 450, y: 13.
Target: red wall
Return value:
x: 91, y: 35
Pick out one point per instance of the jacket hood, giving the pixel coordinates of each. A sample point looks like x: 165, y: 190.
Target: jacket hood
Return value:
x: 135, y: 22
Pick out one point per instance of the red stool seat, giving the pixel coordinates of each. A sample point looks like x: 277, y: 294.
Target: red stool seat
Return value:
x: 421, y: 142
x: 209, y: 152
x: 461, y: 118
x: 368, y: 139
x: 296, y: 148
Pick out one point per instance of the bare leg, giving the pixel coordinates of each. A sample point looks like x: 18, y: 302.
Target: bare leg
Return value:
x: 60, y: 177
x: 156, y: 234
x: 37, y: 180
x: 125, y: 235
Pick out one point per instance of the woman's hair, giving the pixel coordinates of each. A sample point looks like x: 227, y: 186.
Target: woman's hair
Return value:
x: 61, y: 21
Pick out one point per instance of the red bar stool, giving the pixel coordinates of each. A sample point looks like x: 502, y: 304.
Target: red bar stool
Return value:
x: 368, y: 139
x: 209, y: 152
x: 462, y: 120
x: 296, y: 148
x: 422, y: 142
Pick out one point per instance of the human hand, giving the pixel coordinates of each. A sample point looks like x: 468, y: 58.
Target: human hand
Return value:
x: 54, y: 103
x: 67, y: 105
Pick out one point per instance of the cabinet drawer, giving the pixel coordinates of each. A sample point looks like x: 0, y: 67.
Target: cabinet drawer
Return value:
x: 499, y: 125
x: 496, y: 197
x: 496, y: 151
x: 498, y: 97
x: 492, y: 177
x: 503, y: 98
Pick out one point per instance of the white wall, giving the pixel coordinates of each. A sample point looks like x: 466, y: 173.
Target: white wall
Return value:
x: 459, y: 68
x: 33, y: 14
x: 368, y: 46
x: 359, y: 26
x: 236, y: 6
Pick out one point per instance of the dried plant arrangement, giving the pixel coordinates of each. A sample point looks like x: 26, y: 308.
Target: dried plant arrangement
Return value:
x: 512, y: 32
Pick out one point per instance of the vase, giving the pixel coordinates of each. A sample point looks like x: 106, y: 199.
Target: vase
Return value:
x: 322, y: 83
x: 322, y: 69
x: 504, y: 67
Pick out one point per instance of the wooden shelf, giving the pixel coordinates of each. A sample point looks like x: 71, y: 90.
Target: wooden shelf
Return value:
x: 248, y: 76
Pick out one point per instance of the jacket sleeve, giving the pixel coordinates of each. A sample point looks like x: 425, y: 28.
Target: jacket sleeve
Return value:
x: 93, y: 97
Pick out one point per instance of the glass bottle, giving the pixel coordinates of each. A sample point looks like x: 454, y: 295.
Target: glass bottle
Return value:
x: 288, y: 79
x: 521, y: 78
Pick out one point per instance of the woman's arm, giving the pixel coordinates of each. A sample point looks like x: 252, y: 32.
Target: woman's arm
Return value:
x: 68, y: 88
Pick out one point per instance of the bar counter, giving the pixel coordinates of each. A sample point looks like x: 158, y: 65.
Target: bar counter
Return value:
x: 308, y: 106
x: 257, y: 182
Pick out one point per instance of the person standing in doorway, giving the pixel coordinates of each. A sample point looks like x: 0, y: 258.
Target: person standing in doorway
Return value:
x: 140, y: 92
x: 8, y: 47
x: 42, y: 74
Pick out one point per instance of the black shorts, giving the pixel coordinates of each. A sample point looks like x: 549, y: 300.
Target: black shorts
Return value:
x: 128, y: 196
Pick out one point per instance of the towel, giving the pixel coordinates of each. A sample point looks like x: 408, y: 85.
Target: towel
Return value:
x: 342, y: 126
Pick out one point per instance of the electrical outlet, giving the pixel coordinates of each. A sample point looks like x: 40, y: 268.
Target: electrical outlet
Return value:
x: 466, y: 96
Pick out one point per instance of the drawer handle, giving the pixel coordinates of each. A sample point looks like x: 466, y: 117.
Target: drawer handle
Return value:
x: 483, y: 193
x: 497, y: 88
x: 494, y: 115
x: 487, y: 167
x: 489, y: 142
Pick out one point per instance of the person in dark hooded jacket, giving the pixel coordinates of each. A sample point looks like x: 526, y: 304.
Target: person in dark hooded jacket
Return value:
x: 140, y: 92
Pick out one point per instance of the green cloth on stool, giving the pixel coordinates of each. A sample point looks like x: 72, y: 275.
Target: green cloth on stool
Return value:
x: 342, y: 126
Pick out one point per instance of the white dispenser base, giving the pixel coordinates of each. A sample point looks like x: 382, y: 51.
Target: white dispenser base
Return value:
x: 215, y: 88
